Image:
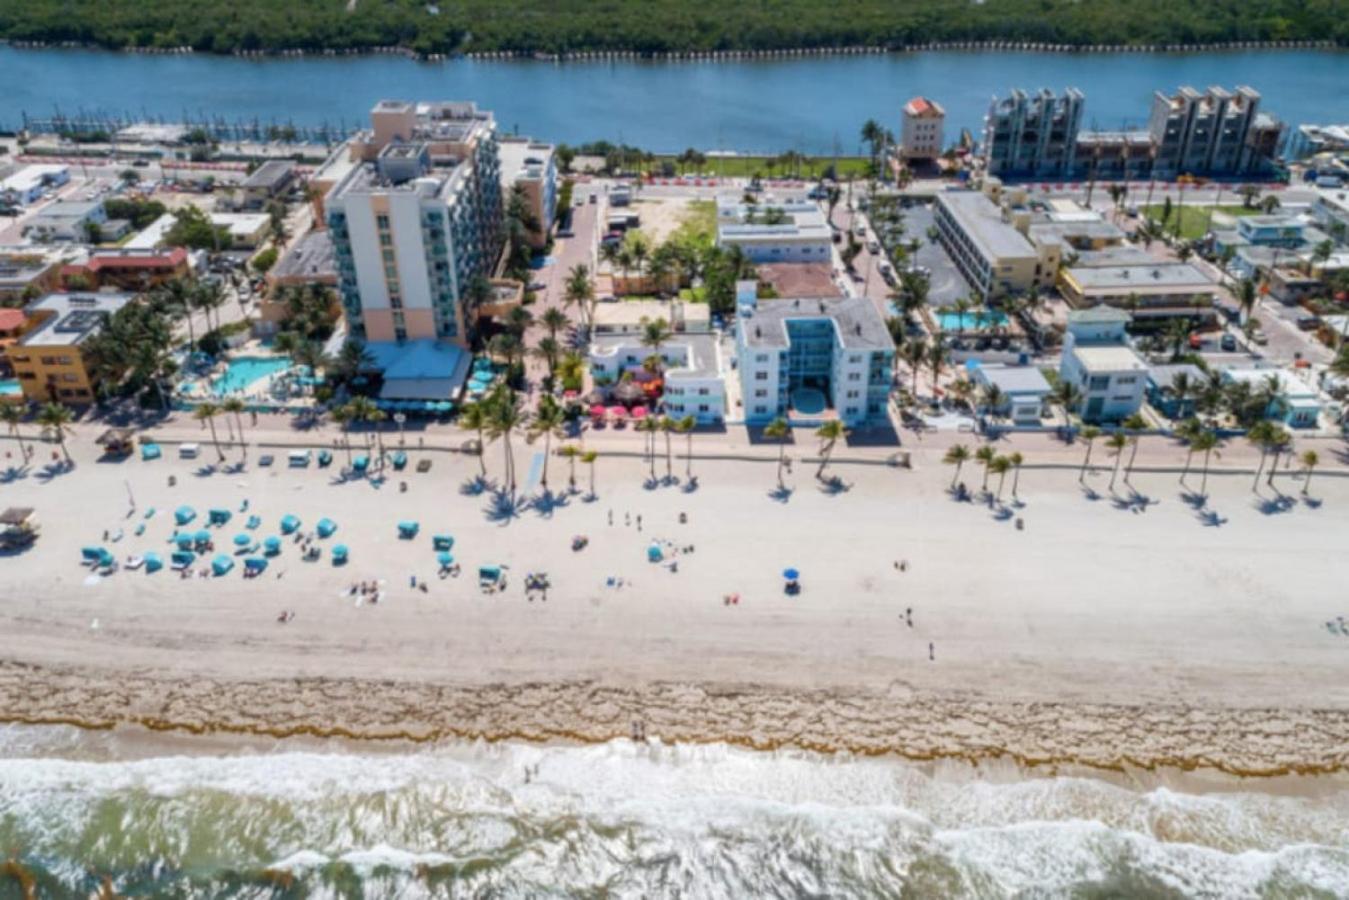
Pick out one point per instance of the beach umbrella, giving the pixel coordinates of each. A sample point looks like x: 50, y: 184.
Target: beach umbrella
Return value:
x: 184, y: 514
x: 597, y: 412
x: 326, y: 527
x: 242, y: 540
x: 185, y: 541
x: 221, y: 565
x: 153, y: 562
x: 289, y: 523
x: 790, y: 574
x: 617, y: 412
x: 203, y: 536
x: 639, y: 412
x: 442, y: 542
x: 339, y: 554
x: 445, y: 558
x: 272, y: 545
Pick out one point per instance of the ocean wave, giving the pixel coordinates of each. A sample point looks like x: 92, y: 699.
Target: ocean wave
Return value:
x: 644, y: 820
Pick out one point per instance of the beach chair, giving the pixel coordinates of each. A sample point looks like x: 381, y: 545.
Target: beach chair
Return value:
x: 253, y: 522
x: 289, y: 524
x: 340, y: 554
x: 151, y: 452
x: 254, y: 566
x: 325, y: 459
x: 271, y: 545
x: 221, y: 565
x: 407, y: 530
x: 153, y: 562
x: 443, y: 542
x: 326, y: 527
x: 489, y: 576
x: 182, y: 559
x: 184, y: 514
x: 423, y: 466
x: 218, y: 516
x: 400, y: 461
x: 91, y: 555
x: 360, y: 464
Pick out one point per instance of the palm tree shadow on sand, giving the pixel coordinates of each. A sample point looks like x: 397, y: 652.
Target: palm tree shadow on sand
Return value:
x: 781, y: 493
x: 833, y: 486
x: 13, y: 474
x: 52, y: 471
x: 504, y: 506
x: 1132, y: 501
x: 474, y: 487
x: 547, y: 502
x: 1276, y: 505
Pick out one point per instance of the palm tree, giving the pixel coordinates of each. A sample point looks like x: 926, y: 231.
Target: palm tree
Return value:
x: 1246, y: 294
x: 548, y: 421
x: 589, y: 458
x: 1135, y: 424
x: 992, y: 398
x: 655, y: 333
x: 570, y: 452
x: 777, y: 430
x: 1116, y: 444
x: 12, y: 414
x: 361, y: 409
x: 667, y: 426
x: 1261, y: 436
x: 554, y: 320
x: 504, y: 417
x: 1310, y: 459
x: 1015, y: 459
x: 937, y: 355
x: 999, y: 465
x: 985, y: 456
x: 55, y: 419
x: 1206, y: 442
x: 1089, y: 434
x: 913, y: 354
x: 685, y: 427
x: 1280, y: 442
x: 648, y: 427
x: 342, y: 415
x: 829, y: 434
x: 580, y: 291
x: 376, y: 418
x: 548, y: 350
x: 1068, y: 396
x: 956, y: 456
x: 206, y: 412
x: 237, y: 406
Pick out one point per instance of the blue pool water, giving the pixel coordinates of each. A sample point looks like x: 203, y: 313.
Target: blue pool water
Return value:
x: 244, y: 370
x: 10, y: 387
x: 953, y: 321
x: 808, y: 401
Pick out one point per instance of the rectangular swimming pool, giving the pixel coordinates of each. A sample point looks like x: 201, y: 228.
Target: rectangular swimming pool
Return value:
x: 10, y: 387
x: 954, y: 321
x: 245, y: 370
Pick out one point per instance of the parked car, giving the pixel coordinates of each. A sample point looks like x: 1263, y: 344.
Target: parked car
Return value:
x: 537, y: 286
x: 1308, y: 322
x: 1196, y: 342
x: 873, y: 246
x: 1228, y: 343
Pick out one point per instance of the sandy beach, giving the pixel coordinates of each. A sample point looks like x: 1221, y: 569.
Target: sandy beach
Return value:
x: 1110, y: 632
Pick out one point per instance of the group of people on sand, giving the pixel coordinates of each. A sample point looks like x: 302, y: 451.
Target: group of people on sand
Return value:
x: 366, y: 591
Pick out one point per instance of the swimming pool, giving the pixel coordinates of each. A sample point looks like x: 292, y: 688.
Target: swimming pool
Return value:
x: 245, y: 370
x: 10, y: 387
x: 968, y: 321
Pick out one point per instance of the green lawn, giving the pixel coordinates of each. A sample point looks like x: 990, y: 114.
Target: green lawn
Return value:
x: 1194, y: 220
x: 749, y: 166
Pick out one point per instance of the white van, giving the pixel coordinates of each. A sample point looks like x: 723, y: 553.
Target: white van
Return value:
x: 299, y: 459
x: 189, y: 451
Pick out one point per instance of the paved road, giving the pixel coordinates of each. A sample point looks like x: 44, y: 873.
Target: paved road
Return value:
x: 567, y: 253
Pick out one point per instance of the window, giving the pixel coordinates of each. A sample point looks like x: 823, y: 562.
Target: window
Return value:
x: 388, y: 256
x: 761, y: 409
x: 1099, y: 382
x: 1127, y: 379
x: 702, y: 392
x: 395, y: 301
x: 850, y: 410
x: 400, y: 334
x: 761, y: 392
x: 385, y: 239
x: 702, y: 407
x: 390, y: 271
x: 851, y: 395
x: 762, y: 357
x: 382, y: 223
x: 854, y: 376
x: 760, y: 376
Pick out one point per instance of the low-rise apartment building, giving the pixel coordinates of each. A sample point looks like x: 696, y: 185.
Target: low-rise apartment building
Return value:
x: 788, y: 231
x: 921, y: 130
x: 129, y: 269
x: 813, y: 359
x: 67, y: 220
x: 50, y: 360
x: 1148, y: 290
x: 692, y: 372
x: 1098, y: 359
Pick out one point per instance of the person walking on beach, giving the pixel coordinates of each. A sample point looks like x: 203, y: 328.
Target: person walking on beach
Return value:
x: 611, y: 517
x: 639, y: 521
x: 931, y: 652
x: 908, y: 616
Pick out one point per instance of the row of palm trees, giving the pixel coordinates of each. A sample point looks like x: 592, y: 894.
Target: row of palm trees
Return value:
x: 501, y: 414
x: 993, y: 463
x: 53, y: 418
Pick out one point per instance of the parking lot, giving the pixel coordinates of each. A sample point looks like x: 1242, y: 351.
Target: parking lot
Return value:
x: 946, y: 283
